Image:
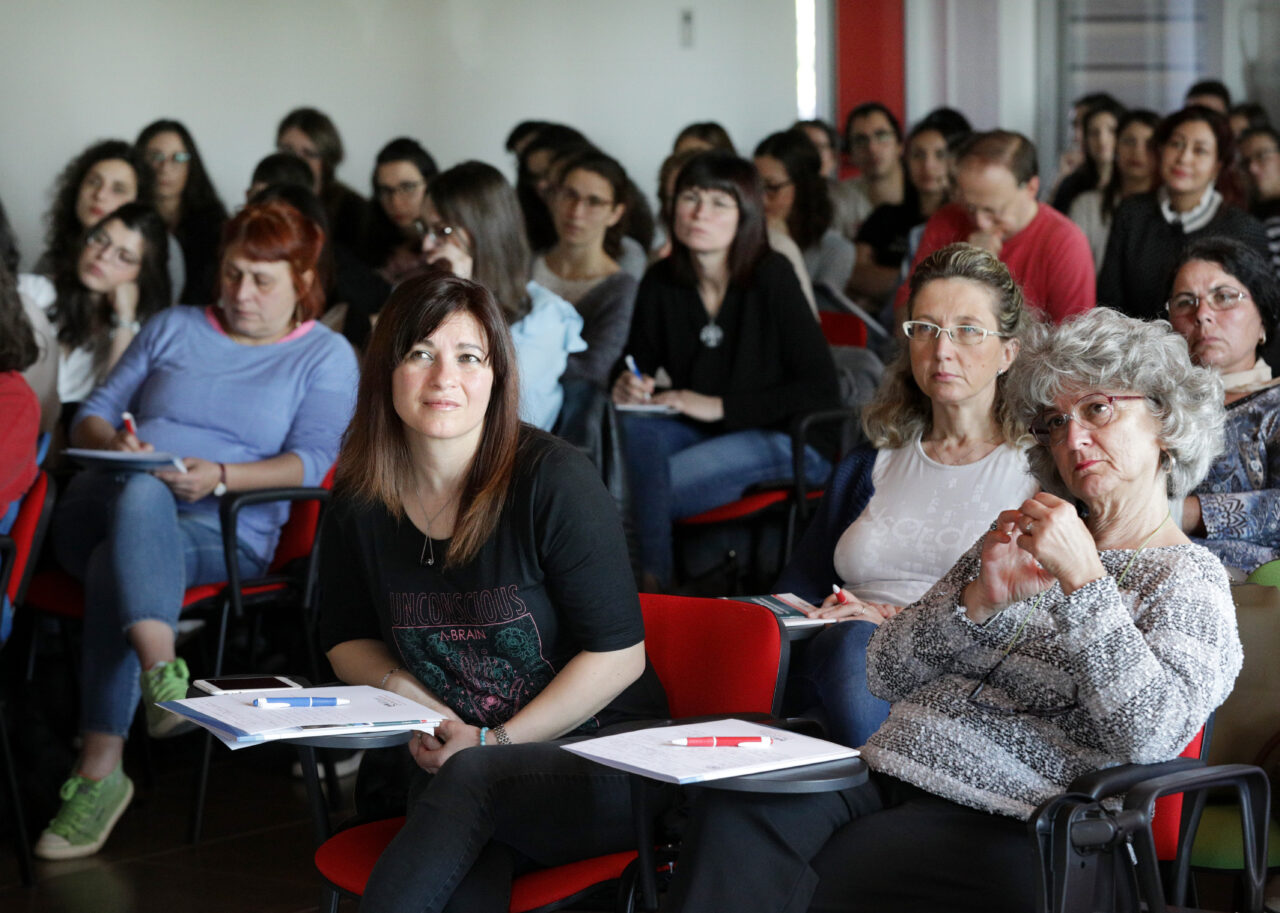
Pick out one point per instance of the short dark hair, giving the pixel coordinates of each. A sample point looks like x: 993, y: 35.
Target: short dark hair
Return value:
x: 1002, y: 147
x: 476, y: 197
x: 953, y: 126
x: 1266, y: 130
x: 1214, y: 87
x: 282, y: 168
x: 871, y: 107
x: 1246, y: 264
x: 811, y: 213
x: 404, y: 149
x: 1251, y: 111
x: 322, y: 132
x: 1217, y: 122
x: 375, y: 464
x: 726, y: 172
x: 64, y: 232
x: 708, y: 131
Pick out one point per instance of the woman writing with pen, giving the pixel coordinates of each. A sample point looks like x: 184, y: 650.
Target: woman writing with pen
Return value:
x: 725, y: 320
x: 252, y: 393
x: 944, y: 459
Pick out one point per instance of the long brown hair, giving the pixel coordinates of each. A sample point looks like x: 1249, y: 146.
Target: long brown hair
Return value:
x: 375, y: 464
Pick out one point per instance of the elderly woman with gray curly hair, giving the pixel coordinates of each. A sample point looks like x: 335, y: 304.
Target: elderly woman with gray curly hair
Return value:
x: 1082, y: 631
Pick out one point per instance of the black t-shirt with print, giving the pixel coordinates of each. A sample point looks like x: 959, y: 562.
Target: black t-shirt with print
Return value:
x: 554, y: 579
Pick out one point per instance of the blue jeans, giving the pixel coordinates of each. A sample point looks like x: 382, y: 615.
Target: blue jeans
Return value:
x: 123, y: 536
x: 679, y: 468
x: 830, y: 681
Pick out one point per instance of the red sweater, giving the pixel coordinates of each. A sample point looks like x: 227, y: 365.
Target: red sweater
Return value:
x: 20, y: 419
x: 1049, y: 259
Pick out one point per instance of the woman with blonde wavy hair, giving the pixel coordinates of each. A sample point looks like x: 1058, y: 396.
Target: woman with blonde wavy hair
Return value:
x: 943, y: 460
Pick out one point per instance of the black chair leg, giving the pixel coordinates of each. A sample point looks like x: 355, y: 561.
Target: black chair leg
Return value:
x: 202, y: 787
x: 25, y: 865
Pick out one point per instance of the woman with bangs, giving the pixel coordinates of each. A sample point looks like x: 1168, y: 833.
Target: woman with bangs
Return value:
x: 478, y: 565
x: 252, y: 393
x: 724, y: 319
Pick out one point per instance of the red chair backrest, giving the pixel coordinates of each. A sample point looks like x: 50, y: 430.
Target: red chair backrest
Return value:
x: 28, y: 527
x: 1166, y: 820
x: 715, y: 655
x: 841, y: 329
x: 299, y: 531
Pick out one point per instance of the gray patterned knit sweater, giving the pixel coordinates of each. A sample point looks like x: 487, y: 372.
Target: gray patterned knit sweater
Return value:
x: 1145, y: 664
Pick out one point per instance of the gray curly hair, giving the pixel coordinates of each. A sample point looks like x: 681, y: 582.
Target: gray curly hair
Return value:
x: 1106, y: 351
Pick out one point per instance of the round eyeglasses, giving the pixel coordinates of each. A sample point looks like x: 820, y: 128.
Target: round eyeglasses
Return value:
x: 1092, y: 411
x: 924, y: 331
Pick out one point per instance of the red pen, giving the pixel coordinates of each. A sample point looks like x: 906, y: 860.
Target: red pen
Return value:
x: 724, y: 741
x: 129, y: 424
x: 841, y: 598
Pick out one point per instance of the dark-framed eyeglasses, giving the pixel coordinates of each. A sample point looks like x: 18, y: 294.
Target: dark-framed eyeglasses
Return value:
x: 403, y: 189
x: 1092, y: 411
x: 571, y: 198
x: 924, y: 331
x: 1222, y: 298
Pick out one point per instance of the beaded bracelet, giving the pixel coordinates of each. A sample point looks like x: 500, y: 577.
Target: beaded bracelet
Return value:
x: 500, y: 735
x: 390, y: 672
x: 483, y: 732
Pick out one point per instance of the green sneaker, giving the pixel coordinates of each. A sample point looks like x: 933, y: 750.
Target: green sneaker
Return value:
x: 90, y: 809
x: 165, y: 682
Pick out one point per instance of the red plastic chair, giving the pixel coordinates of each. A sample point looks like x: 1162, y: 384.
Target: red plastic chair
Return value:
x: 841, y: 329
x: 16, y: 551
x: 713, y: 656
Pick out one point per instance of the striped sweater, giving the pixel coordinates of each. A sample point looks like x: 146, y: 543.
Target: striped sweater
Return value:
x: 1141, y: 667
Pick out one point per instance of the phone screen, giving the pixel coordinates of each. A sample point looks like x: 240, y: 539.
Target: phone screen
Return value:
x: 258, y: 683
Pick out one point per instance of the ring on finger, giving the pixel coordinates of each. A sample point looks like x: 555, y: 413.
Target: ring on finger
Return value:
x: 1028, y: 527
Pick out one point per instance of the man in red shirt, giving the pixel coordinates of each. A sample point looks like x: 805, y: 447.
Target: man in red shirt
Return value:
x: 996, y: 209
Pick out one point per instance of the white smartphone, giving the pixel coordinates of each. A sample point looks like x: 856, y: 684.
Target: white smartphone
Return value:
x: 245, y: 683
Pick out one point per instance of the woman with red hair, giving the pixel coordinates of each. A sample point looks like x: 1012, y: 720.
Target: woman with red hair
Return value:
x: 251, y: 393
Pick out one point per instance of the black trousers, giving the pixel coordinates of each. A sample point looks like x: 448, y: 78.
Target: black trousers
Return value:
x: 885, y: 846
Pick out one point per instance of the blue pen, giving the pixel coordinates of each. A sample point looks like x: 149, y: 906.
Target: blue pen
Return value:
x: 299, y: 701
x: 630, y: 362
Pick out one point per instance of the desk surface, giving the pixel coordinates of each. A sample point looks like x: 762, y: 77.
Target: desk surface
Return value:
x: 828, y: 776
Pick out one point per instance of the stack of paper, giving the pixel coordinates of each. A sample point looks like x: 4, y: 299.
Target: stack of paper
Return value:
x: 649, y: 752
x: 235, y: 720
x: 793, y: 610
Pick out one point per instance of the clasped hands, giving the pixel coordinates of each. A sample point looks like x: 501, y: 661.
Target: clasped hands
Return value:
x: 631, y: 390
x: 199, y: 481
x: 1041, y: 541
x: 451, y: 736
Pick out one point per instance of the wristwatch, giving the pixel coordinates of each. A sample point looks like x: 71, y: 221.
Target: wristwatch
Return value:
x: 221, y: 488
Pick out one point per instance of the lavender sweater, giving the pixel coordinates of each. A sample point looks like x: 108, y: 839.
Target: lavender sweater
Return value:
x: 197, y: 393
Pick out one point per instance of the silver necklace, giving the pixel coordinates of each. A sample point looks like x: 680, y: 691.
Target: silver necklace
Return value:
x: 711, y: 335
x: 428, y: 556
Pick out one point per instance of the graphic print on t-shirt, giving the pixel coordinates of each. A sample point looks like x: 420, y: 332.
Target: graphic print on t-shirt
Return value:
x: 480, y: 651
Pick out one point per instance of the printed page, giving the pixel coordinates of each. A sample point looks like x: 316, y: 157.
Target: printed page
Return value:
x: 649, y: 752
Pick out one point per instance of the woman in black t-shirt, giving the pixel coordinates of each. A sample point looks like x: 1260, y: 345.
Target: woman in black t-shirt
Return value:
x: 478, y: 566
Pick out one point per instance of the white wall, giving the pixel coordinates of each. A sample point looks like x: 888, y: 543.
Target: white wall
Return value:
x: 975, y: 55
x: 455, y: 74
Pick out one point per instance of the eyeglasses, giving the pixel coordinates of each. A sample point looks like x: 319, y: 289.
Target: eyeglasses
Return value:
x: 863, y: 140
x: 403, y: 189
x: 121, y: 256
x: 776, y: 187
x: 924, y: 331
x: 158, y: 158
x: 717, y: 200
x: 571, y: 198
x: 1092, y: 411
x: 1222, y: 298
x: 1259, y: 157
